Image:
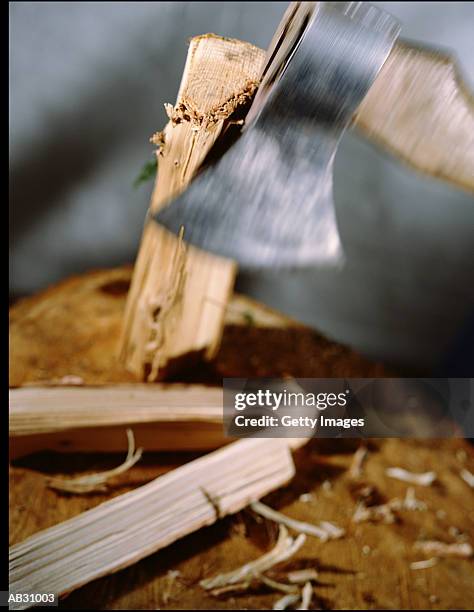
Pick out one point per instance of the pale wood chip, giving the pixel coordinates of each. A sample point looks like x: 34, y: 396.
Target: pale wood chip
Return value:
x: 424, y: 479
x: 441, y: 549
x: 355, y: 470
x: 285, y: 602
x: 306, y: 595
x: 302, y: 576
x: 324, y: 531
x: 418, y: 565
x: 98, y: 481
x: 365, y: 513
x: 285, y: 547
x: 468, y: 477
x: 275, y: 585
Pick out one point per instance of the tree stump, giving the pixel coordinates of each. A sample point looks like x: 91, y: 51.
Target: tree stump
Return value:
x: 72, y: 329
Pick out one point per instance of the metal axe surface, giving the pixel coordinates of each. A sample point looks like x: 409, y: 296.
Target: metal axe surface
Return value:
x: 268, y: 201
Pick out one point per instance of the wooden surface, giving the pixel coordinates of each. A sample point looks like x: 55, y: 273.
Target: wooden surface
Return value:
x: 420, y: 109
x: 72, y: 329
x: 84, y: 418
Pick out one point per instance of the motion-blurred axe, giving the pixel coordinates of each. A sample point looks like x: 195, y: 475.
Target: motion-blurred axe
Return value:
x: 268, y: 200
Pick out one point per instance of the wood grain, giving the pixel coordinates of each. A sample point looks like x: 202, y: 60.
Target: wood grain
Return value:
x: 420, y: 110
x: 94, y: 419
x: 49, y: 409
x: 178, y: 294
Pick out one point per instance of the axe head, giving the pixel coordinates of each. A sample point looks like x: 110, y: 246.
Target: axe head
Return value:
x: 268, y: 201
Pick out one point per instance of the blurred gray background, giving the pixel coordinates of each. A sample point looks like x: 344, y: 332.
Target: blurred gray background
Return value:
x: 87, y: 87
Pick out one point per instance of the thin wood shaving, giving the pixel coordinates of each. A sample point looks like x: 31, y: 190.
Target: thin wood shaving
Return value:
x: 285, y: 602
x: 325, y: 531
x: 276, y: 586
x: 302, y: 576
x: 231, y: 588
x: 334, y: 532
x: 385, y: 512
x: 306, y: 595
x: 410, y: 502
x: 355, y: 470
x: 424, y: 479
x: 468, y: 477
x: 365, y: 513
x: 285, y: 547
x: 171, y: 577
x: 418, y: 565
x: 97, y: 481
x: 441, y: 549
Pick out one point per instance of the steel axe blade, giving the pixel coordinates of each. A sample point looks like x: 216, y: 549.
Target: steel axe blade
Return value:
x: 268, y: 201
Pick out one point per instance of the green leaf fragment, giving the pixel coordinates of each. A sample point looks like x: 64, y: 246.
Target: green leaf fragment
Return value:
x: 147, y: 172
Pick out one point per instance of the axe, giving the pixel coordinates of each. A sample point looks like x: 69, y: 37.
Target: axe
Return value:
x: 268, y: 200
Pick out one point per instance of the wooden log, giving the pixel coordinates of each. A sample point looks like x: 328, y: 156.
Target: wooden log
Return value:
x: 158, y: 436
x: 35, y: 410
x: 179, y: 294
x: 134, y: 525
x: 93, y: 419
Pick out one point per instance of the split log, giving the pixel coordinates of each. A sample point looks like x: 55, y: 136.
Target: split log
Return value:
x: 134, y: 525
x: 35, y: 410
x: 178, y: 296
x: 93, y: 419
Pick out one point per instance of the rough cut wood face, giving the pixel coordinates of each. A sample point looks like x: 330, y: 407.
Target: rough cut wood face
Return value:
x: 178, y: 295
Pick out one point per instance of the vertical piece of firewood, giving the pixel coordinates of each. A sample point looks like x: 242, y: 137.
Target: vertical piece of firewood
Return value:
x: 178, y: 294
